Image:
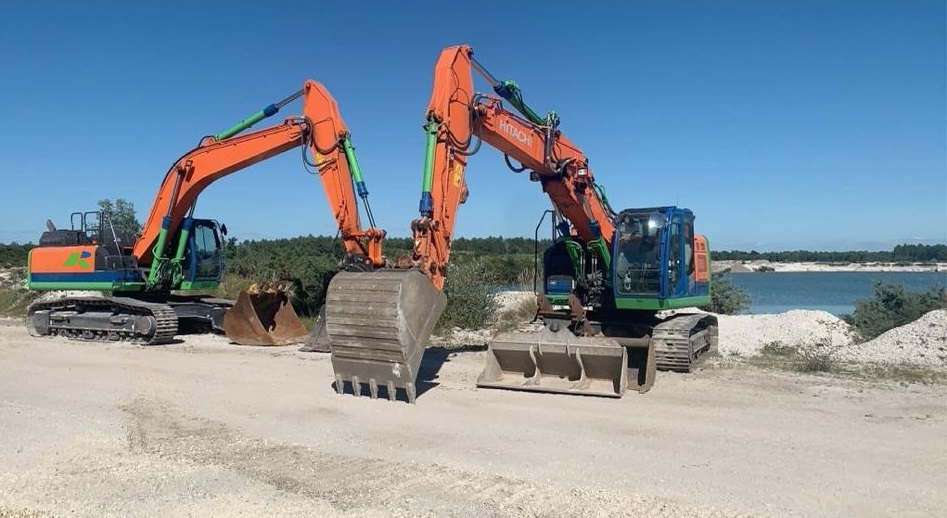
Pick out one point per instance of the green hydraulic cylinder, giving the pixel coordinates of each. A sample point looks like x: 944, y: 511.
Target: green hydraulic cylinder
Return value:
x: 269, y: 111
x: 354, y: 168
x: 427, y: 181
x: 158, y: 251
x: 246, y: 123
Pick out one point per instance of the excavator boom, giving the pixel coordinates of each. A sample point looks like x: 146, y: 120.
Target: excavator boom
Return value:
x: 320, y: 128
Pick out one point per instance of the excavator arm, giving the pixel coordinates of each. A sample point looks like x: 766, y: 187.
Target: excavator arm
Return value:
x: 384, y: 346
x: 320, y: 128
x: 458, y: 120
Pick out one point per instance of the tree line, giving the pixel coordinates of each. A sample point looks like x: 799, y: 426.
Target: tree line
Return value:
x: 509, y: 254
x: 899, y: 254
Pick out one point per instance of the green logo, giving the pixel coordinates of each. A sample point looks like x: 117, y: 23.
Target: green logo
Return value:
x: 78, y: 258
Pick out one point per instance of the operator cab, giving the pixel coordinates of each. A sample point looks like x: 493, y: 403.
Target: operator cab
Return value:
x: 204, y: 255
x: 654, y: 254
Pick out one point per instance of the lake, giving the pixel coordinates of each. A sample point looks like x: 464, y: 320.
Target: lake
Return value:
x: 835, y: 292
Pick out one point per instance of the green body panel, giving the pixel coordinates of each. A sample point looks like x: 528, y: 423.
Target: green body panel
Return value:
x: 659, y: 304
x: 240, y: 126
x: 91, y: 286
x: 557, y: 300
x: 199, y: 285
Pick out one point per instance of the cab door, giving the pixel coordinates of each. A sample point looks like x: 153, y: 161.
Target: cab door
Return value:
x: 206, y: 252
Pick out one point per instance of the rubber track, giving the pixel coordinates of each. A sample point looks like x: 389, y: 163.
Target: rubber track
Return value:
x: 675, y: 334
x: 166, y: 320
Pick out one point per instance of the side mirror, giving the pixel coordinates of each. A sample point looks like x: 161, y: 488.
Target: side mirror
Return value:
x: 223, y: 230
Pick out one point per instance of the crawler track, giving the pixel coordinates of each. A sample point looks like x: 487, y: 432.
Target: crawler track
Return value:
x: 104, y: 319
x: 681, y: 341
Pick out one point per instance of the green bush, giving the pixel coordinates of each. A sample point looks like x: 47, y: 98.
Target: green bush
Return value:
x: 471, y: 303
x: 893, y: 306
x: 725, y: 298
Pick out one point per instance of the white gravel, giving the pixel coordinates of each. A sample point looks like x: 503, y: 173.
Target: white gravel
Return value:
x: 922, y: 342
x: 61, y: 294
x: 745, y: 335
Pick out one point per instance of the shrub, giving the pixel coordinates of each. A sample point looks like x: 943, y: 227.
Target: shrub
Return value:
x: 528, y: 277
x: 893, y: 306
x: 517, y: 313
x: 471, y: 303
x: 726, y: 298
x: 309, y: 293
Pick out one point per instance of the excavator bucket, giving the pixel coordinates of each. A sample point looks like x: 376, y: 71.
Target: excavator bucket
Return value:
x: 263, y: 315
x: 318, y: 341
x: 378, y: 324
x: 560, y: 362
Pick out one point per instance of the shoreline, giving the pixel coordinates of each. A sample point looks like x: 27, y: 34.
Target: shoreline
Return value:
x: 795, y: 267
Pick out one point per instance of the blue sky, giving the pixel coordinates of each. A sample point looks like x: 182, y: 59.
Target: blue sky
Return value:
x: 782, y: 124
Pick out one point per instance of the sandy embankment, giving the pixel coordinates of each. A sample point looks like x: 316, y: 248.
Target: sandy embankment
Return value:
x: 757, y: 266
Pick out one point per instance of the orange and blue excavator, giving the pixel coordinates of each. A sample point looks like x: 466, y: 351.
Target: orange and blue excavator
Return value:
x: 615, y: 285
x: 148, y: 276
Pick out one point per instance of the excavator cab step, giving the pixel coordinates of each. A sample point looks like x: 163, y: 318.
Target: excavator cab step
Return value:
x: 263, y: 315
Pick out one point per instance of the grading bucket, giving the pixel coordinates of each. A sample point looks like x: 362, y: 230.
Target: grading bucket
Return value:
x: 560, y: 362
x: 263, y: 315
x: 378, y: 324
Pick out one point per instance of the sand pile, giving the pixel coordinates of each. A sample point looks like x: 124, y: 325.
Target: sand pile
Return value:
x: 745, y: 335
x: 509, y: 300
x: 922, y: 342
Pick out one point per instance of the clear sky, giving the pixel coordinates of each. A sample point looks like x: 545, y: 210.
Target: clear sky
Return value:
x: 782, y: 124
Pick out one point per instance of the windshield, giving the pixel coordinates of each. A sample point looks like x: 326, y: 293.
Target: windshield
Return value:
x: 206, y: 252
x: 638, y: 245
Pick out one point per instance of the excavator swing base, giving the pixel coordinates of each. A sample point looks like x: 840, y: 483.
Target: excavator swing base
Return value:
x: 263, y: 315
x: 556, y: 361
x: 378, y: 324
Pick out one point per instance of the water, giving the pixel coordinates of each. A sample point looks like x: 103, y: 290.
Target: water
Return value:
x: 835, y: 292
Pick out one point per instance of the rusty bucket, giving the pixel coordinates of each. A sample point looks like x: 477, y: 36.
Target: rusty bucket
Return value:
x: 263, y: 315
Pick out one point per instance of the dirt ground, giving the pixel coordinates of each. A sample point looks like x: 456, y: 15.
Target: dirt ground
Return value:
x: 203, y: 428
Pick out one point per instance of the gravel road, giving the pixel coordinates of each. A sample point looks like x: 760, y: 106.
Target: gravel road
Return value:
x: 203, y: 428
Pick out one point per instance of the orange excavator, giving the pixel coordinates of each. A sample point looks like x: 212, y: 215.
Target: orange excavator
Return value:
x: 176, y: 252
x: 608, y: 278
